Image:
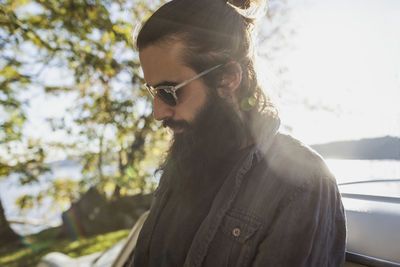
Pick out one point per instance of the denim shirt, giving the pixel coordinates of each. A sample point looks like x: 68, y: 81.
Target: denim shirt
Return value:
x: 280, y: 206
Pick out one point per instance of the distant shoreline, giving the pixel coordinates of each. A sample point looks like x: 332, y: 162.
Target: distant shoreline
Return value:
x: 381, y: 148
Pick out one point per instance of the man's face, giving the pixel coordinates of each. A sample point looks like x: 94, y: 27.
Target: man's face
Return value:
x: 162, y: 64
x: 207, y: 130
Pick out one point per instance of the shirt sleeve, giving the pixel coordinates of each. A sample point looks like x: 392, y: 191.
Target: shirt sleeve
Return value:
x: 309, y: 231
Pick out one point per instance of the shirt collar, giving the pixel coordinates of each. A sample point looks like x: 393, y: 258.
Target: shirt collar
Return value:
x: 264, y: 127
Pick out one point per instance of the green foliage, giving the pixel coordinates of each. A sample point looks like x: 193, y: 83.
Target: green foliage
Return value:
x: 109, y: 127
x: 63, y: 191
x: 25, y: 202
x: 25, y: 159
x: 38, y: 245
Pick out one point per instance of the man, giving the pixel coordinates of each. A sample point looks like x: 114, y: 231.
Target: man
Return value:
x: 234, y: 191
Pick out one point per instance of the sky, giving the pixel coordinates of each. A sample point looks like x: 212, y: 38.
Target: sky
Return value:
x: 343, y: 70
x: 341, y: 78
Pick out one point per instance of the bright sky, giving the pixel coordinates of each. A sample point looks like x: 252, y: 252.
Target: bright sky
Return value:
x: 343, y: 59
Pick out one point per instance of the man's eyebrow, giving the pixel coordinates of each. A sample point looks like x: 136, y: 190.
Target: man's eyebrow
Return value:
x: 165, y: 83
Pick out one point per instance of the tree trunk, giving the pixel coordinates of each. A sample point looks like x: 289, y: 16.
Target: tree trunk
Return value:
x: 117, y: 192
x: 7, y: 234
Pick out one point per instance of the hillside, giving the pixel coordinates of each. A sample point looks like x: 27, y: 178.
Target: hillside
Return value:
x: 387, y: 147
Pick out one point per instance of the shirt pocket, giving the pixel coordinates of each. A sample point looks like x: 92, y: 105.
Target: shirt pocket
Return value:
x: 234, y: 241
x: 239, y: 227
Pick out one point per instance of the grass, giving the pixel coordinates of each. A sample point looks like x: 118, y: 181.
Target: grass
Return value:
x: 36, y: 246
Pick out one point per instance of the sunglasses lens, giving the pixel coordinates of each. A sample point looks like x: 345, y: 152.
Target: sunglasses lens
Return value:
x: 165, y: 96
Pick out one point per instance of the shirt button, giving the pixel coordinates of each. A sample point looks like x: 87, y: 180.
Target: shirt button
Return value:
x: 236, y: 232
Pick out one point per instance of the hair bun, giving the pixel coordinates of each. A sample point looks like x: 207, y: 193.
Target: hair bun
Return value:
x: 251, y: 10
x: 242, y: 4
x: 246, y: 4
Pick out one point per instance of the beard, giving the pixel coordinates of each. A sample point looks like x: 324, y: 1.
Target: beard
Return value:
x: 205, y: 149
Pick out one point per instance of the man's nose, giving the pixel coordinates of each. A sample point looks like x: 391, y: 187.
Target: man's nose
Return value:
x: 161, y: 110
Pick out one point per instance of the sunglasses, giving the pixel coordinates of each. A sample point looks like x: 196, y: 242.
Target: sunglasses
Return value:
x: 167, y: 93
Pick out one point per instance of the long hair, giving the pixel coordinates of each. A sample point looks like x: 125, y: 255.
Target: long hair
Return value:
x: 214, y: 32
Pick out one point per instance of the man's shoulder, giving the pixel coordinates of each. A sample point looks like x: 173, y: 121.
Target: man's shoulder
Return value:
x: 290, y: 173
x: 295, y: 162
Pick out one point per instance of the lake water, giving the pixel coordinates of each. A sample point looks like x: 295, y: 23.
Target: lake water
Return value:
x: 350, y: 171
x: 357, y: 170
x: 344, y: 170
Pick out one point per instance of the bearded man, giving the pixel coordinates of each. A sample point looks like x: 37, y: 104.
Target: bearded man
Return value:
x: 234, y: 191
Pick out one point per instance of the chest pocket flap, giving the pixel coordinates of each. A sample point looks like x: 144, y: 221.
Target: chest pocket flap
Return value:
x: 239, y: 226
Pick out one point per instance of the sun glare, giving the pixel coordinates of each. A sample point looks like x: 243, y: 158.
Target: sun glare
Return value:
x: 342, y: 79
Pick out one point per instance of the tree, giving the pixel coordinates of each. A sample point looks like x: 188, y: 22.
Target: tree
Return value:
x: 29, y: 164
x: 110, y: 121
x: 28, y: 167
x: 109, y: 126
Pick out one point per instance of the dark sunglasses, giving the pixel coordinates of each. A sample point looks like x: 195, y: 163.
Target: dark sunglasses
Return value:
x: 167, y: 93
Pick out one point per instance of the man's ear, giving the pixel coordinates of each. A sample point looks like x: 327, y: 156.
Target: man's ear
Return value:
x: 230, y: 80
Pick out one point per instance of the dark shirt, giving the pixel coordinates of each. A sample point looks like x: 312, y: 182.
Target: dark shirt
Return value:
x: 181, y: 217
x: 279, y: 206
x: 178, y: 222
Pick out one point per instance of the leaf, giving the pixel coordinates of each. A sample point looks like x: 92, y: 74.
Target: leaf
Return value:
x: 131, y: 172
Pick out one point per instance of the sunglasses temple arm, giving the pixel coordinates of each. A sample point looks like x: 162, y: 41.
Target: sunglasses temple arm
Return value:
x: 196, y: 77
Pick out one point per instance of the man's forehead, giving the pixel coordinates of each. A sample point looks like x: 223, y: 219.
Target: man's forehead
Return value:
x: 162, y: 62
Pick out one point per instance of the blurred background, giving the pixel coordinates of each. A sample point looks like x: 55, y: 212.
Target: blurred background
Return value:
x: 78, y: 144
